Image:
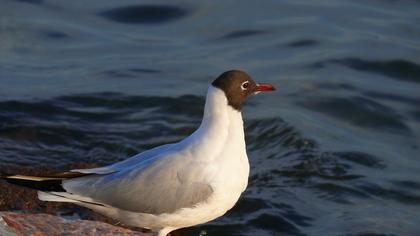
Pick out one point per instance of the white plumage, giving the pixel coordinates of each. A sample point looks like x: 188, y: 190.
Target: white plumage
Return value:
x: 171, y: 186
x: 175, y: 185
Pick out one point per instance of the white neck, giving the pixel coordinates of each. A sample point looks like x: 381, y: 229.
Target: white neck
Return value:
x: 220, y: 123
x: 217, y: 111
x: 216, y: 107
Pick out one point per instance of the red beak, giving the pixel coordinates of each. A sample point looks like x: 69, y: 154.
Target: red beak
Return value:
x: 264, y: 87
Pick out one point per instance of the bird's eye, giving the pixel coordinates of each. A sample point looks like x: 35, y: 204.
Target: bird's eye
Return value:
x: 245, y: 85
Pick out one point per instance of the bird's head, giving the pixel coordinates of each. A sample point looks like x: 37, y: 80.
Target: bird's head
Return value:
x: 238, y: 85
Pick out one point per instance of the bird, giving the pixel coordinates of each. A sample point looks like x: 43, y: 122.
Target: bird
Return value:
x: 172, y: 186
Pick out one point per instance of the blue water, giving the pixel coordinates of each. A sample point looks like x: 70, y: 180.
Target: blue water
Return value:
x: 334, y: 151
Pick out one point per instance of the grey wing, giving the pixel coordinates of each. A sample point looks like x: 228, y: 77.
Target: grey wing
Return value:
x: 135, y: 160
x: 161, y: 187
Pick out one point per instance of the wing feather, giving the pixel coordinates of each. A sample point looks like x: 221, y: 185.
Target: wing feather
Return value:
x: 159, y: 184
x: 130, y: 162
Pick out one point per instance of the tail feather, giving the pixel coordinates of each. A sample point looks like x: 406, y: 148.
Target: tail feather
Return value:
x: 68, y: 197
x: 47, y: 183
x: 48, y: 197
x: 42, y: 185
x: 50, y: 187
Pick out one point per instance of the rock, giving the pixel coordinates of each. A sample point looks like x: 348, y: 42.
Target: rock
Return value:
x: 22, y: 224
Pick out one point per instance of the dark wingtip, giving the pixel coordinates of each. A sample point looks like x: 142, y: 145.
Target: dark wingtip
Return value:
x: 45, y: 185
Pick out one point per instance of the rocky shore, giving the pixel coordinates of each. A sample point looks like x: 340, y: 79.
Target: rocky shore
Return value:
x: 25, y: 224
x: 22, y: 214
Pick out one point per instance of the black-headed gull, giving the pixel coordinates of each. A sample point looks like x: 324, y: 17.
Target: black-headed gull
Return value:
x: 171, y: 186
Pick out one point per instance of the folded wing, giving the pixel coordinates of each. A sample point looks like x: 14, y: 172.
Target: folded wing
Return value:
x: 159, y: 184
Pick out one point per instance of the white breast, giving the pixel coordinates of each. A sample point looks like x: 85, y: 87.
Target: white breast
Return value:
x: 228, y: 166
x: 219, y: 144
x: 233, y: 165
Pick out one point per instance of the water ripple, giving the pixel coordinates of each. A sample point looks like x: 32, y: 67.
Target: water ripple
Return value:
x: 144, y: 14
x: 398, y: 69
x: 242, y: 34
x: 359, y: 111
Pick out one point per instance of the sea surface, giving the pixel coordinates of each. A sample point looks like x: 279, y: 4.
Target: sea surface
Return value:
x: 334, y: 151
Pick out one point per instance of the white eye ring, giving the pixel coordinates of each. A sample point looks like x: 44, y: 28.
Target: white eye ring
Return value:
x: 245, y: 85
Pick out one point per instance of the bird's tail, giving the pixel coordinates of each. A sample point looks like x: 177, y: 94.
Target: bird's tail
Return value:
x: 51, y: 197
x: 52, y: 182
x: 50, y: 187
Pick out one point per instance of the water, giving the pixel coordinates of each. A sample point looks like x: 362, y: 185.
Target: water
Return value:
x: 334, y: 151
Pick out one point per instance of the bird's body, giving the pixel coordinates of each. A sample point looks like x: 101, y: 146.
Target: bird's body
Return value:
x: 172, y: 186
